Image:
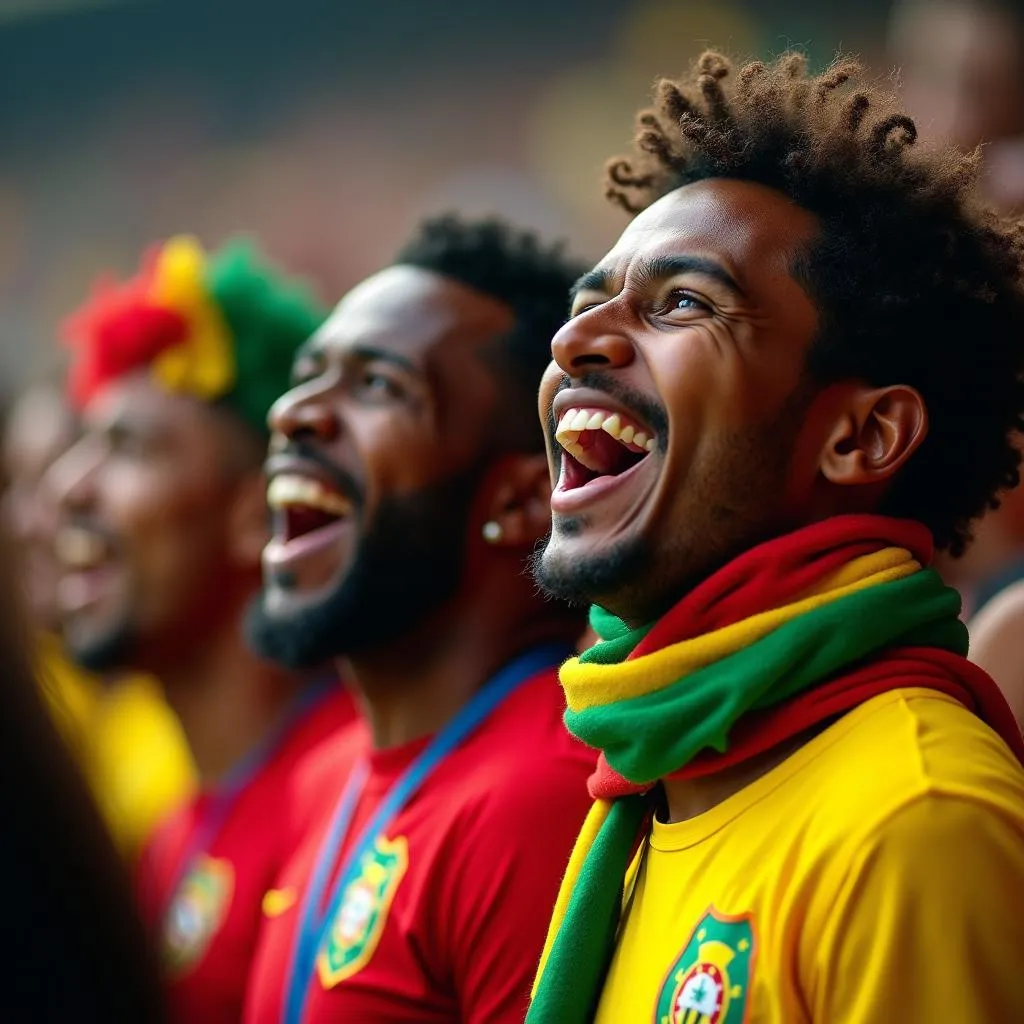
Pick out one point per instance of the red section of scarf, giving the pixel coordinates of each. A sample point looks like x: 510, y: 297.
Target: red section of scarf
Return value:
x: 781, y: 571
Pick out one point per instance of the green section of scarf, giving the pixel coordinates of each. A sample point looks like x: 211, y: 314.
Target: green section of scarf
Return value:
x: 645, y: 738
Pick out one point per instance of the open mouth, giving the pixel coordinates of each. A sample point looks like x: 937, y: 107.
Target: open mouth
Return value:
x: 80, y: 550
x: 87, y: 567
x: 598, y: 443
x: 302, y: 505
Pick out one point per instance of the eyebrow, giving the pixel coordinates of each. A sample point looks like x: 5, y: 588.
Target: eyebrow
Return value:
x: 370, y: 353
x: 365, y: 353
x: 595, y: 280
x: 657, y: 269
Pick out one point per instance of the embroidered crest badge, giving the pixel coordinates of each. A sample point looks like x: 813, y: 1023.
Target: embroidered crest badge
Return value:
x: 363, y: 911
x: 709, y: 981
x: 197, y: 911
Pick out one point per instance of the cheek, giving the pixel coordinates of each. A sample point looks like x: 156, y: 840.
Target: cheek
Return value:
x: 161, y: 515
x: 549, y: 385
x: 401, y: 460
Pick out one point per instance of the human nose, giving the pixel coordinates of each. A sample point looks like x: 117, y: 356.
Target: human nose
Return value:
x: 588, y: 342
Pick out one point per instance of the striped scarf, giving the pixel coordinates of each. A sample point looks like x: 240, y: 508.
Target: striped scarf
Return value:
x: 789, y: 635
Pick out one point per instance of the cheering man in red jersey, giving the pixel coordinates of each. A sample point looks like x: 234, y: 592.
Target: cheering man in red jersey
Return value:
x: 163, y: 522
x: 408, y: 484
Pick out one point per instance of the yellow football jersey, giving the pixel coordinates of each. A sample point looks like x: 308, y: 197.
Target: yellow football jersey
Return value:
x: 126, y: 740
x: 877, y: 875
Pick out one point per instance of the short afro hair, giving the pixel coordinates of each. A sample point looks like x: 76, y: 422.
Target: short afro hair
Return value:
x: 915, y: 281
x: 533, y: 279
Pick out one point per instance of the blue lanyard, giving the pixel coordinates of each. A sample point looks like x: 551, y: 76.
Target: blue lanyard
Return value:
x: 223, y: 800
x: 314, y: 925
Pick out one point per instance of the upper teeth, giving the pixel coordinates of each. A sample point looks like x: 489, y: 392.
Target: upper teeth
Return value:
x: 291, y: 489
x: 575, y: 421
x: 77, y: 548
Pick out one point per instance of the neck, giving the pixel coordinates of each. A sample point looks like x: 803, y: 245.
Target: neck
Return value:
x: 417, y: 683
x: 228, y: 701
x: 689, y: 798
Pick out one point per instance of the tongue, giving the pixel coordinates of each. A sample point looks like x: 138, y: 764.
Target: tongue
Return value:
x: 303, y: 519
x: 603, y: 455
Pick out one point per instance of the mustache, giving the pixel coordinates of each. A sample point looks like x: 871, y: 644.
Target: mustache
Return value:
x: 651, y: 412
x: 341, y: 479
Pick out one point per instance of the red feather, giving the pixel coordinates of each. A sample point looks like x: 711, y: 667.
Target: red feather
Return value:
x: 117, y: 331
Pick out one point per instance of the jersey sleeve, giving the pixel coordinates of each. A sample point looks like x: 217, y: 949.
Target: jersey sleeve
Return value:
x: 929, y: 925
x: 507, y: 882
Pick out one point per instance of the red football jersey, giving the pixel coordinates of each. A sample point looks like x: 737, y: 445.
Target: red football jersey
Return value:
x: 208, y: 938
x: 447, y: 916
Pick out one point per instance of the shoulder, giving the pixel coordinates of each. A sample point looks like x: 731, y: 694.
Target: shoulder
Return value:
x: 321, y: 771
x: 895, y: 758
x: 523, y: 774
x: 997, y: 643
x: 914, y: 743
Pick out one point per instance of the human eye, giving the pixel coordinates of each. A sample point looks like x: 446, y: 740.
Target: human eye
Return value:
x: 586, y: 301
x: 306, y: 367
x: 119, y: 439
x: 379, y: 385
x: 680, y: 304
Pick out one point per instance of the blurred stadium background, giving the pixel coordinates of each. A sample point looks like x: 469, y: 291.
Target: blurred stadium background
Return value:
x: 327, y: 127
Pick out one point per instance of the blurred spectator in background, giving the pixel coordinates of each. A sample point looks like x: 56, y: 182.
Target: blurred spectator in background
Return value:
x: 962, y: 74
x: 962, y: 64
x: 123, y: 736
x: 162, y: 523
x: 71, y: 945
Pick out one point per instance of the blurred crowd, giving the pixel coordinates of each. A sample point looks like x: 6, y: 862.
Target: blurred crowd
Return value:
x: 165, y: 669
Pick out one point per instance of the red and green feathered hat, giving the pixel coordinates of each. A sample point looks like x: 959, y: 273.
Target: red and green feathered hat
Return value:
x: 218, y: 327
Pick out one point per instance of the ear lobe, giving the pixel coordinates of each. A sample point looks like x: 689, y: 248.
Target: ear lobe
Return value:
x: 248, y: 530
x: 520, y: 503
x: 880, y: 429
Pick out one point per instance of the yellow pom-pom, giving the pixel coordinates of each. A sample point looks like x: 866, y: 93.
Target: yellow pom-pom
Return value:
x: 203, y: 365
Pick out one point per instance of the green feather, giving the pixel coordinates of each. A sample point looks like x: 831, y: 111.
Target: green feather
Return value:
x: 269, y: 318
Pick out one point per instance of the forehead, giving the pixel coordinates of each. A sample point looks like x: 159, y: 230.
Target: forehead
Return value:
x: 752, y: 230
x: 137, y: 404
x: 40, y: 427
x: 412, y: 313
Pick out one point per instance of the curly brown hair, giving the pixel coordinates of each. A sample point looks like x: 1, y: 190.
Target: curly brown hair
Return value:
x: 915, y: 281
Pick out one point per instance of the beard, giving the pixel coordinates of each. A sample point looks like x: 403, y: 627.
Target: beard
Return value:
x: 106, y: 652
x: 405, y: 565
x: 724, y: 514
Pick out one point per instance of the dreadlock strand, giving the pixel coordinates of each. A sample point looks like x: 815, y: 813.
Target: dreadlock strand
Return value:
x: 655, y: 142
x: 619, y: 198
x: 892, y: 134
x: 712, y: 63
x: 835, y: 79
x: 708, y: 139
x: 671, y: 100
x: 854, y: 110
x: 750, y: 74
x: 620, y: 172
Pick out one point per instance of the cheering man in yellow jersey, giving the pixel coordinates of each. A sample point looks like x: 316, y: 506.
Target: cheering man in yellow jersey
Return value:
x: 796, y: 373
x: 125, y: 739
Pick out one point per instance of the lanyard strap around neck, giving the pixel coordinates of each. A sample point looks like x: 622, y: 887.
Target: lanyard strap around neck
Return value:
x: 314, y: 924
x: 224, y: 797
